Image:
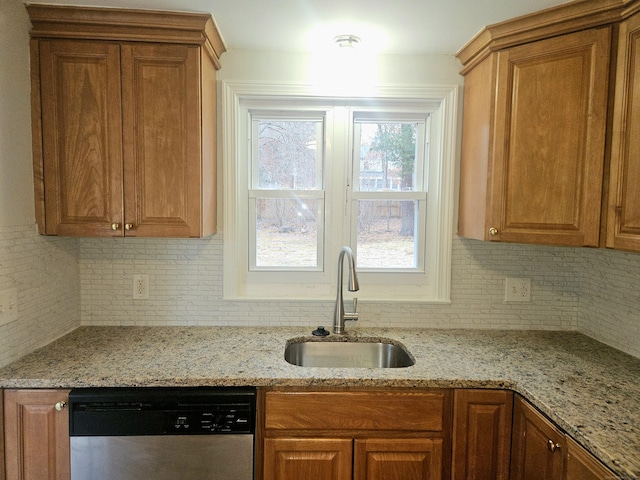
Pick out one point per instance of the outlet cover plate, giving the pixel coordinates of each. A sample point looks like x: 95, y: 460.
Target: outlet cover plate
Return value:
x: 517, y: 290
x: 141, y: 287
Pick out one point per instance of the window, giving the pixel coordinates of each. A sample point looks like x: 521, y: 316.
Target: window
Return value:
x: 306, y: 175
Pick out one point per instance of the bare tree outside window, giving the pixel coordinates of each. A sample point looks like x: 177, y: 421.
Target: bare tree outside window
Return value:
x: 287, y: 155
x: 287, y: 161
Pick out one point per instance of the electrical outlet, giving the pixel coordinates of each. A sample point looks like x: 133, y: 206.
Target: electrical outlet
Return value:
x: 8, y: 306
x: 141, y: 287
x: 517, y: 290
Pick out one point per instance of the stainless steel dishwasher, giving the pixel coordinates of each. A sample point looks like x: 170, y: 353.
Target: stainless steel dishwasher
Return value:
x: 162, y: 433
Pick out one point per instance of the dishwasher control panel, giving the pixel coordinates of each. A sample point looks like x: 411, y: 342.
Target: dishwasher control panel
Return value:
x: 161, y: 411
x: 231, y: 420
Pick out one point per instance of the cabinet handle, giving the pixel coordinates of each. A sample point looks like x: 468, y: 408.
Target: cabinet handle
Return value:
x: 493, y: 231
x: 115, y: 226
x: 128, y: 226
x: 552, y: 446
x: 60, y: 406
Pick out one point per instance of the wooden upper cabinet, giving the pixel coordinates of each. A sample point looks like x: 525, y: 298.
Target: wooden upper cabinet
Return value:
x: 623, y: 221
x: 124, y: 123
x: 81, y: 136
x: 161, y: 134
x: 533, y: 141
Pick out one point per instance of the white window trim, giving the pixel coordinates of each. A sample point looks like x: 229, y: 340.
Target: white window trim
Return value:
x: 445, y: 130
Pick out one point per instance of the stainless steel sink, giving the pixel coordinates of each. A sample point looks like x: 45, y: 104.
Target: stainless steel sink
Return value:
x: 360, y: 354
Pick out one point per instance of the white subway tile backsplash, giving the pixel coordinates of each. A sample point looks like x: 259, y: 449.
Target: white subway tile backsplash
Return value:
x: 185, y: 278
x: 45, y: 272
x: 65, y: 282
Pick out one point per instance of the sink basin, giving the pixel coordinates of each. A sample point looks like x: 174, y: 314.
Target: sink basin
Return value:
x: 360, y: 354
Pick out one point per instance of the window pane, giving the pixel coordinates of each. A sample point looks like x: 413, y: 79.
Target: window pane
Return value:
x: 387, y: 156
x: 286, y: 232
x: 287, y: 154
x: 387, y: 234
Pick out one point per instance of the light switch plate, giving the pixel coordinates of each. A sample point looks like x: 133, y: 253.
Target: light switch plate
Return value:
x: 8, y: 306
x: 517, y: 290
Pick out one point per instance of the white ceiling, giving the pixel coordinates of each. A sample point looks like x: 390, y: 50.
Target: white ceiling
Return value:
x: 387, y: 26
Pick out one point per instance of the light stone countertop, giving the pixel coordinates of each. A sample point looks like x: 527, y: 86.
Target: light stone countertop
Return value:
x: 590, y: 390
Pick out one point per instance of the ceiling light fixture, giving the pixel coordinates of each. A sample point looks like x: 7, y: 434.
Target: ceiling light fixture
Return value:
x: 347, y: 41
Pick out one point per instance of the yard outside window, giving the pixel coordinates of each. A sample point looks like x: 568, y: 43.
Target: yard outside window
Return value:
x: 306, y: 175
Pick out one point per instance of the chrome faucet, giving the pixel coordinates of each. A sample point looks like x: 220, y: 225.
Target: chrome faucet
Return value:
x: 339, y: 315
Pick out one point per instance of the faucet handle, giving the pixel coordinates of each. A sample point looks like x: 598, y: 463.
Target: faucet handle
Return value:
x: 353, y: 316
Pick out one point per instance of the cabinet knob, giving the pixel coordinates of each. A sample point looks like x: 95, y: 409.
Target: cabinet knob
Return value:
x: 552, y: 446
x: 60, y: 406
x: 115, y: 226
x: 128, y: 226
x: 493, y: 231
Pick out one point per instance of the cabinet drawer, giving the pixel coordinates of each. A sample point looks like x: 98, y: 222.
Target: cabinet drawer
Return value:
x: 357, y: 410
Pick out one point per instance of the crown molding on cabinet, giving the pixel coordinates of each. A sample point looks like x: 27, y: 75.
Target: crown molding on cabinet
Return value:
x: 93, y: 23
x: 569, y: 17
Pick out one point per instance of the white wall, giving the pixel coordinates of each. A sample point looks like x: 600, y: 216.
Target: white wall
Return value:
x: 16, y: 192
x: 279, y: 67
x: 44, y: 270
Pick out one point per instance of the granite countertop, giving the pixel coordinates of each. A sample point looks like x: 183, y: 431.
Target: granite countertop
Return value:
x: 589, y: 389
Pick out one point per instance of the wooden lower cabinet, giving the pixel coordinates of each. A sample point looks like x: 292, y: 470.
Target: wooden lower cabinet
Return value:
x: 307, y: 458
x: 481, y: 434
x: 395, y: 434
x: 347, y: 458
x: 401, y: 458
x: 537, y: 446
x: 540, y: 451
x: 376, y: 434
x: 36, y: 430
x: 581, y: 465
x: 2, y: 450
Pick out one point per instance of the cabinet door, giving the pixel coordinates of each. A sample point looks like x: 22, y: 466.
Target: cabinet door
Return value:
x: 401, y: 458
x: 550, y: 120
x: 482, y: 434
x: 623, y: 223
x: 162, y: 154
x: 36, y: 427
x: 308, y: 458
x: 81, y: 137
x: 537, y: 447
x: 581, y: 465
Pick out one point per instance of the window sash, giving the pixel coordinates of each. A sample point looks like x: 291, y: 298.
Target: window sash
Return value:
x: 289, y: 116
x: 318, y: 196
